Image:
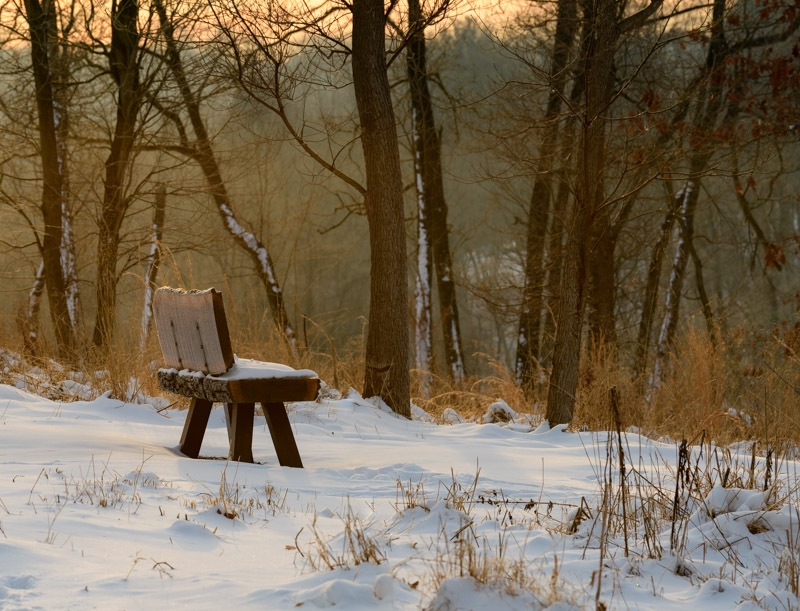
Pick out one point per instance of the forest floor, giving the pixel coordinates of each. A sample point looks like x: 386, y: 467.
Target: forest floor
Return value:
x: 98, y: 510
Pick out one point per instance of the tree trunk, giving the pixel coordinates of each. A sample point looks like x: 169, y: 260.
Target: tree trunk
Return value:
x: 204, y: 155
x: 529, y: 343
x: 569, y: 326
x: 28, y: 321
x: 41, y: 22
x: 123, y: 60
x: 554, y: 264
x: 69, y: 262
x: 61, y: 79
x: 689, y: 197
x: 430, y: 191
x: 558, y: 229
x: 386, y: 368
x: 700, y: 157
x: 602, y: 287
x: 651, y: 290
x: 422, y: 295
x: 705, y: 302
x: 600, y: 36
x: 153, y: 262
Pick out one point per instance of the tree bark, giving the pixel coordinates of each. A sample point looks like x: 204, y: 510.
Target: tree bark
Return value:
x: 387, y: 352
x: 558, y: 228
x: 430, y: 191
x: 123, y: 60
x: 689, y: 197
x: 651, y: 290
x: 41, y: 22
x: 423, y: 335
x: 710, y: 111
x: 529, y: 342
x: 28, y: 321
x: 705, y: 302
x: 554, y: 263
x: 153, y: 262
x: 602, y: 287
x: 600, y: 37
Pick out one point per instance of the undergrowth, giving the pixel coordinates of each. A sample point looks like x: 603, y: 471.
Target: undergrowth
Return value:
x: 741, y: 387
x: 728, y: 409
x: 700, y: 511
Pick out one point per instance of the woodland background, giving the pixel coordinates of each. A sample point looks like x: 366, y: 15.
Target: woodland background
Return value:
x: 613, y: 230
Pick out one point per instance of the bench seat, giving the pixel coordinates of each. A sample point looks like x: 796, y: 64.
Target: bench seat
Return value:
x: 247, y: 381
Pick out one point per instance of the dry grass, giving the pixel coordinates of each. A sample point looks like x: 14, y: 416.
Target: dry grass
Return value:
x: 695, y: 385
x: 746, y: 387
x: 488, y: 564
x: 355, y: 545
x: 473, y: 395
x: 599, y: 374
x: 238, y: 500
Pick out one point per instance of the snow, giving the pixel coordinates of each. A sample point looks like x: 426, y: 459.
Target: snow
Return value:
x: 248, y: 369
x: 252, y: 243
x: 98, y: 510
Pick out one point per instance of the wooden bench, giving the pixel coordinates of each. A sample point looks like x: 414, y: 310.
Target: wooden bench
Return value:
x: 200, y: 364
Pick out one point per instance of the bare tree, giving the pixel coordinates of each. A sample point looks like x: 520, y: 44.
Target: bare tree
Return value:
x: 153, y: 261
x: 529, y: 352
x: 387, y: 357
x: 602, y: 28
x: 433, y: 243
x: 719, y: 103
x: 123, y: 59
x: 203, y: 153
x: 57, y: 262
x: 272, y: 74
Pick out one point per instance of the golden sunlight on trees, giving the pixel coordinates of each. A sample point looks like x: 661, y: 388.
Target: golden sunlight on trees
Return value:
x: 434, y: 200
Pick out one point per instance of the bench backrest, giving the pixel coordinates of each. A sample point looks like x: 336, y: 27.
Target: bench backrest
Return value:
x: 192, y: 330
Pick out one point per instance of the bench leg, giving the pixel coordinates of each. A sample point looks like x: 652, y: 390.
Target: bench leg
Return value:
x: 282, y: 437
x: 240, y: 430
x: 229, y: 421
x: 195, y: 427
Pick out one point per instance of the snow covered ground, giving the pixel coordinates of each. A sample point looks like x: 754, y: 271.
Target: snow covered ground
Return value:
x: 98, y: 510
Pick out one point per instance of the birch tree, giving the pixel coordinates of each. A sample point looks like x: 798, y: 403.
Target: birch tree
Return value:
x: 57, y: 244
x: 720, y: 100
x: 433, y: 244
x: 153, y: 262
